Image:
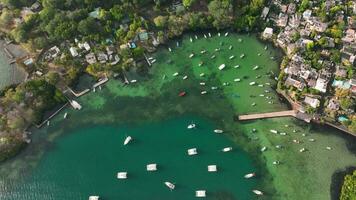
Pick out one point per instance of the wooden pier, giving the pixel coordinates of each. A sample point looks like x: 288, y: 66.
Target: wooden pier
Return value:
x: 288, y: 113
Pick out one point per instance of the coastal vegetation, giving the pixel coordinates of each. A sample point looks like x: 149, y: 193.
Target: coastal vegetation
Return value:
x: 348, y: 191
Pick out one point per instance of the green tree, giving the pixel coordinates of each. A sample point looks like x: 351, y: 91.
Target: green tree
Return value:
x: 188, y: 3
x: 221, y: 10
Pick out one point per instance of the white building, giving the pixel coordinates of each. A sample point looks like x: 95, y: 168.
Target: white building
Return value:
x: 321, y: 85
x: 267, y: 33
x: 73, y: 51
x: 312, y: 102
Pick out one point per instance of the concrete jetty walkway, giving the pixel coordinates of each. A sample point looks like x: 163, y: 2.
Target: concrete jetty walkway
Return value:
x: 288, y: 113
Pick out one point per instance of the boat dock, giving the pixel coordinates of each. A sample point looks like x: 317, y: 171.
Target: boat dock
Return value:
x: 147, y: 60
x: 102, y: 81
x: 8, y: 53
x: 288, y: 113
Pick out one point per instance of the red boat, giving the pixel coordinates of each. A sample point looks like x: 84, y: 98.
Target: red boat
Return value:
x: 182, y: 94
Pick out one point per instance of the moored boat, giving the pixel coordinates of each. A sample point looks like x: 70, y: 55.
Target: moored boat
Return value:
x: 218, y: 131
x: 231, y: 57
x: 176, y: 74
x: 185, y: 77
x: 200, y: 193
x: 226, y: 34
x: 65, y: 115
x: 236, y: 66
x: 182, y: 94
x: 242, y: 55
x: 212, y: 168
x: 250, y: 175
x: 192, y: 151
x: 226, y: 149
x: 222, y: 66
x: 273, y: 131
x: 255, y: 68
x: 191, y: 126
x: 127, y: 140
x: 122, y: 175
x: 302, y: 150
x: 257, y: 192
x: 191, y: 55
x: 252, y: 83
x: 203, y: 92
x: 170, y: 185
x: 237, y: 80
x: 169, y: 49
x: 94, y: 197
x: 263, y: 149
x: 151, y: 167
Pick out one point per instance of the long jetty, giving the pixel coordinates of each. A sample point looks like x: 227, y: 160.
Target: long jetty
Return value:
x: 288, y: 113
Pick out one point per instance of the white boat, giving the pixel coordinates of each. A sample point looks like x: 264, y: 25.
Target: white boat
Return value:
x: 214, y: 88
x: 177, y: 44
x: 203, y: 51
x: 191, y: 55
x: 212, y: 168
x: 278, y: 146
x: 94, y: 197
x: 203, y: 92
x: 236, y: 66
x: 176, y: 74
x: 263, y: 149
x: 283, y: 133
x: 65, y: 115
x: 302, y: 150
x: 122, y: 175
x: 200, y: 64
x: 237, y: 80
x: 209, y: 34
x: 226, y: 149
x: 202, y: 83
x: 196, y: 37
x: 133, y: 81
x: 259, y: 54
x: 191, y: 39
x: 250, y: 175
x: 213, y: 56
x: 266, y: 47
x: 192, y: 151
x: 255, y: 68
x: 226, y: 34
x: 242, y: 55
x: 253, y: 104
x: 276, y: 162
x: 222, y: 66
x: 202, y: 74
x: 170, y: 185
x: 200, y: 193
x: 261, y: 95
x: 230, y: 47
x: 257, y: 192
x: 260, y: 85
x: 328, y: 148
x: 169, y: 49
x: 311, y: 140
x: 217, y: 49
x: 48, y: 122
x: 205, y: 36
x: 273, y: 131
x: 191, y: 126
x: 218, y: 131
x: 153, y: 61
x: 252, y: 83
x: 151, y: 167
x: 231, y: 57
x: 127, y: 140
x: 185, y: 77
x: 219, y: 34
x: 75, y: 105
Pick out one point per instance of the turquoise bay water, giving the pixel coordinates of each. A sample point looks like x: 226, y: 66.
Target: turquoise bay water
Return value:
x: 72, y: 171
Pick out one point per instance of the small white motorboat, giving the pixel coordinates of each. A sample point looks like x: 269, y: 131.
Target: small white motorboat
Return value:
x: 191, y: 39
x: 203, y: 92
x: 202, y: 83
x: 263, y: 149
x: 237, y: 80
x: 203, y: 51
x: 230, y: 47
x: 94, y: 197
x: 191, y: 55
x: 205, y: 36
x: 328, y: 148
x: 218, y: 131
x: 259, y: 54
x: 133, y: 81
x: 242, y: 55
x: 226, y: 149
x: 250, y: 175
x: 260, y: 85
x: 153, y: 61
x: 151, y: 167
x: 213, y: 56
x: 209, y: 34
x: 202, y: 74
x: 192, y: 151
x: 278, y: 146
x: 196, y: 37
x: 276, y: 162
x: 296, y: 141
x: 231, y: 57
x: 177, y: 44
x: 200, y: 193
x: 257, y: 192
x: 191, y: 126
x: 255, y: 68
x: 302, y: 150
x: 212, y: 168
x: 200, y: 64
x: 65, y: 115
x: 217, y: 49
x: 266, y: 47
x: 261, y: 95
x: 170, y: 185
x: 219, y: 34
x: 253, y: 104
x: 185, y: 77
x: 122, y: 175
x: 169, y: 49
x: 48, y: 123
x: 226, y: 34
x: 127, y: 140
x: 252, y: 83
x: 311, y: 140
x: 176, y: 74
x: 273, y: 131
x: 222, y: 66
x: 214, y: 88
x: 283, y: 133
x: 236, y: 66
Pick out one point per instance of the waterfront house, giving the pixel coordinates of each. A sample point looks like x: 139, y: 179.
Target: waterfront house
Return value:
x: 282, y: 20
x: 84, y: 45
x: 90, y: 58
x: 313, y: 102
x: 295, y: 83
x: 307, y: 14
x: 264, y: 13
x: 294, y: 20
x: 333, y: 104
x: 52, y: 53
x: 102, y: 57
x: 267, y: 33
x: 73, y: 51
x: 321, y: 85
